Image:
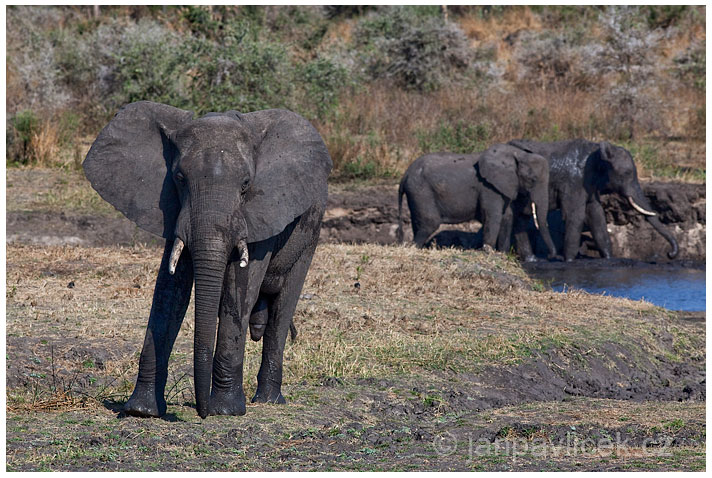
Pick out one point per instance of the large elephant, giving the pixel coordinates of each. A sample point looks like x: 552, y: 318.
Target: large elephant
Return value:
x: 245, y: 195
x: 450, y: 188
x: 579, y: 172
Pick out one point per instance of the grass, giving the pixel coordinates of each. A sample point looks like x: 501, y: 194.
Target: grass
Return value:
x: 372, y: 379
x: 459, y: 318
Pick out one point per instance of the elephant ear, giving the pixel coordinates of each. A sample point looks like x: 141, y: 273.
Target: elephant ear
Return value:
x: 291, y: 168
x: 130, y: 161
x: 499, y: 168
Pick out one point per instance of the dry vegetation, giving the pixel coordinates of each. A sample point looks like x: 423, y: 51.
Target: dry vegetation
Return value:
x: 76, y: 318
x: 383, y: 85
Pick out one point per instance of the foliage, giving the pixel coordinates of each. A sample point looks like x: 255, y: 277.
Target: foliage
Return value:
x: 692, y: 65
x: 427, y: 75
x: 415, y: 48
x: 459, y: 137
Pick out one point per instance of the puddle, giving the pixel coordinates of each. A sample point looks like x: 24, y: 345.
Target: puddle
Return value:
x: 675, y: 288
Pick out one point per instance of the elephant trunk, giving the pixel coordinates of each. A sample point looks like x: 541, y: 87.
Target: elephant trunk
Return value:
x: 640, y: 203
x: 209, y: 271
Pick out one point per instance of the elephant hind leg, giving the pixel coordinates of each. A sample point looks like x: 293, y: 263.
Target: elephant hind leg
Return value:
x: 280, y: 311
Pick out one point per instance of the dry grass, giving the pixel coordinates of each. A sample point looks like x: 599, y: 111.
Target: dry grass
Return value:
x: 66, y: 191
x: 415, y: 311
x: 608, y: 414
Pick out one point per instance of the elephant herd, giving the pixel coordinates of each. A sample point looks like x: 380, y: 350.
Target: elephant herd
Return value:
x: 509, y: 185
x: 239, y: 199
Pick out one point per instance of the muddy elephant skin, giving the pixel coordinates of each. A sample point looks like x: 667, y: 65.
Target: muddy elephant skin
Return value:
x: 579, y: 172
x: 450, y: 188
x: 239, y: 199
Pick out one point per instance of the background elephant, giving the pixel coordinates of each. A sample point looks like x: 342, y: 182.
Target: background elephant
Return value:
x: 244, y: 194
x: 579, y: 172
x: 449, y: 188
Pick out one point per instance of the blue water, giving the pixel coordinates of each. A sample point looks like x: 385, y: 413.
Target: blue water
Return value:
x: 674, y: 289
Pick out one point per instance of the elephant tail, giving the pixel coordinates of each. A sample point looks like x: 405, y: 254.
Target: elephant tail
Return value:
x: 399, y: 231
x: 293, y: 331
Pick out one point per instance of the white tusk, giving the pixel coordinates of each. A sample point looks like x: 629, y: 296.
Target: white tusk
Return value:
x: 175, y: 255
x: 640, y: 209
x: 536, y: 219
x: 244, y: 255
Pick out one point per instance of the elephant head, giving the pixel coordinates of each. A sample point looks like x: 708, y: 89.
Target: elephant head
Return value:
x: 514, y: 172
x: 617, y: 173
x: 211, y: 184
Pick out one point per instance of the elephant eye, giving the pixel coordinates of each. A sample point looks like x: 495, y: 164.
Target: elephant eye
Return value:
x: 245, y: 184
x: 179, y: 177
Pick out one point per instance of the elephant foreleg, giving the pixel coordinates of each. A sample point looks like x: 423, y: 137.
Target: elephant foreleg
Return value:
x: 596, y: 219
x: 227, y: 396
x: 493, y: 208
x: 504, y: 238
x: 574, y: 217
x: 170, y: 301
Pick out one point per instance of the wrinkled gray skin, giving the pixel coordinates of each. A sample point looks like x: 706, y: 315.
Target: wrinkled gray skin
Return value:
x: 222, y: 184
x: 450, y: 188
x: 579, y: 172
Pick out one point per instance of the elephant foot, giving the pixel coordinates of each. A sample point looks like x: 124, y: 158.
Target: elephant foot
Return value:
x: 145, y: 403
x: 227, y: 402
x: 488, y: 249
x: 268, y: 395
x: 530, y: 258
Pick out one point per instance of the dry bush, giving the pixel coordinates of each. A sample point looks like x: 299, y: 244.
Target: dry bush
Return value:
x: 388, y: 128
x: 490, y: 28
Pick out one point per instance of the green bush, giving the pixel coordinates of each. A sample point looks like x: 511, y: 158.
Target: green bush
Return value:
x: 459, y: 137
x: 18, y: 136
x: 323, y: 80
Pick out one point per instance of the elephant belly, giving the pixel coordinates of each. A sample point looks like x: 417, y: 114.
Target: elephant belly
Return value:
x: 298, y: 238
x: 457, y: 206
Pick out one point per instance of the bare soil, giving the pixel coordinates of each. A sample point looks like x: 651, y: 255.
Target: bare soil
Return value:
x: 476, y: 368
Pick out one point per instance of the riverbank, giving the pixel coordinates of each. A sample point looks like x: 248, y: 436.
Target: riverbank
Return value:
x: 54, y: 207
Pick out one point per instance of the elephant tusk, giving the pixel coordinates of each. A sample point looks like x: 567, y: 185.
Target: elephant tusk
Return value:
x: 640, y: 209
x: 175, y: 255
x: 536, y: 219
x: 244, y: 255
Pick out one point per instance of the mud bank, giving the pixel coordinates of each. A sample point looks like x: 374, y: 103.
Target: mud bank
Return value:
x: 370, y: 214
x: 356, y: 213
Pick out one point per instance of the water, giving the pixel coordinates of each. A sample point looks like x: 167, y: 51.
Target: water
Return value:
x: 672, y: 288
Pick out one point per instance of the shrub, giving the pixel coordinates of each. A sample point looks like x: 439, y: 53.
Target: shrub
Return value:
x: 31, y: 139
x: 557, y: 59
x: 459, y: 137
x: 322, y: 81
x: 692, y: 65
x: 19, y: 132
x: 634, y: 99
x: 417, y: 51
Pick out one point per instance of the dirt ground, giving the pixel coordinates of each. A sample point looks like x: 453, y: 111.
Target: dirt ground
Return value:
x: 476, y: 368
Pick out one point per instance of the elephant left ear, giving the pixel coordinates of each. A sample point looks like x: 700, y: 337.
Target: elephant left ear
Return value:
x: 292, y: 164
x: 499, y: 168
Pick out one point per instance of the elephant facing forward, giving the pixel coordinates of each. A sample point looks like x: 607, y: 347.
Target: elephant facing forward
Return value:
x: 239, y: 199
x: 579, y: 172
x: 450, y: 188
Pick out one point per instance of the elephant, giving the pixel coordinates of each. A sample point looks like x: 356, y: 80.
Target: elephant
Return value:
x: 451, y: 188
x: 239, y: 199
x: 579, y: 172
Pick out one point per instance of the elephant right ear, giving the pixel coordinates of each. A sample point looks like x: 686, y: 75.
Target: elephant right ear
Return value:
x: 499, y: 168
x: 129, y: 165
